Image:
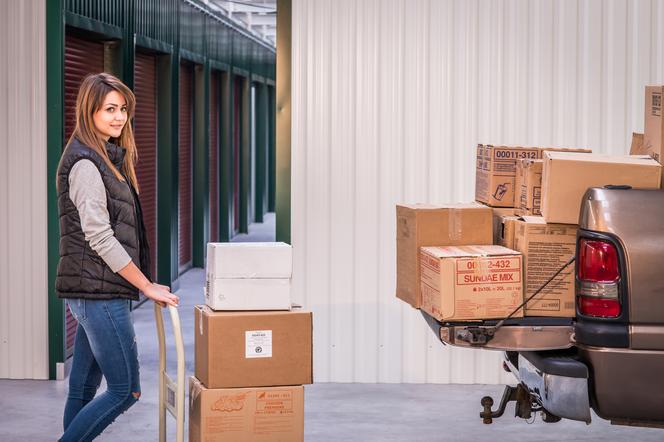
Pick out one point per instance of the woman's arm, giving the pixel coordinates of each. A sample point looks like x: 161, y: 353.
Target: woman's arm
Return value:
x: 87, y: 192
x: 160, y: 294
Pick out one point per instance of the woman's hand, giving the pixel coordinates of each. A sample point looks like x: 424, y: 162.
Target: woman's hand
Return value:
x: 161, y: 294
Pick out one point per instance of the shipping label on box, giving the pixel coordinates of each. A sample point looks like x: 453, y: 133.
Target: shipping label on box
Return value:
x: 471, y: 282
x: 567, y: 177
x: 496, y: 171
x: 653, y: 136
x: 529, y: 187
x: 546, y: 248
x: 258, y: 344
x: 252, y: 349
x: 427, y: 225
x: 265, y: 414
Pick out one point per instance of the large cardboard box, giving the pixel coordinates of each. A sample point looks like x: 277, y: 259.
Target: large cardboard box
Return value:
x: 248, y: 293
x: 264, y: 414
x: 427, y: 225
x: 249, y: 260
x: 653, y: 136
x: 566, y: 177
x: 471, y: 282
x: 546, y: 248
x: 252, y: 349
x: 528, y: 186
x: 496, y: 171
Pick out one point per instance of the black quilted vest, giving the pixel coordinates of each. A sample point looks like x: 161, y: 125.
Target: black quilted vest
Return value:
x: 81, y: 271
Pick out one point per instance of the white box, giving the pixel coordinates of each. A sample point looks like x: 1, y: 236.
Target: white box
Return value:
x: 248, y: 294
x: 249, y: 260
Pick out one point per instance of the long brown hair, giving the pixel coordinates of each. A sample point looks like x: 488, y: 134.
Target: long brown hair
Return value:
x: 91, y: 95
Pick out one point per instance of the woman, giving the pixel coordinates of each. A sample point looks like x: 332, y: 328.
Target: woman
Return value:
x: 104, y: 257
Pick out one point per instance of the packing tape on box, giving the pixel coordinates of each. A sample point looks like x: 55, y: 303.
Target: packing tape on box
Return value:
x: 194, y: 393
x: 200, y: 318
x: 454, y: 225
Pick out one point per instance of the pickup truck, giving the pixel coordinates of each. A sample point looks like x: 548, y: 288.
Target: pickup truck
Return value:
x: 610, y: 357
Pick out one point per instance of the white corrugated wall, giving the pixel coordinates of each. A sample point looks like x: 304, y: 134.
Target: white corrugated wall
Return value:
x: 23, y: 260
x: 390, y: 98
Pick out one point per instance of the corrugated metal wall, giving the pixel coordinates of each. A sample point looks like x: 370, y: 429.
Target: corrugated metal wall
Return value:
x: 23, y: 261
x: 390, y: 98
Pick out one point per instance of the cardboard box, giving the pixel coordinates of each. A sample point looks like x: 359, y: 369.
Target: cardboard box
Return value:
x: 252, y: 349
x: 267, y: 414
x: 637, y: 145
x: 528, y: 186
x: 496, y: 171
x: 566, y: 177
x: 653, y: 136
x: 499, y: 213
x: 249, y: 260
x: 471, y: 282
x: 248, y: 294
x: 426, y: 225
x: 546, y: 248
x: 506, y: 234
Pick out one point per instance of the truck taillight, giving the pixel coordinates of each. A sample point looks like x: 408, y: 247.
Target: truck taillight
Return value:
x: 598, y: 261
x: 598, y: 276
x: 598, y: 307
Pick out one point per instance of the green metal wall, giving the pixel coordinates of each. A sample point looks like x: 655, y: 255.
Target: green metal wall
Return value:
x: 172, y: 30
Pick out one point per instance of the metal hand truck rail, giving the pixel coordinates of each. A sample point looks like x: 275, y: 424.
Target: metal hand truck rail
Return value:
x: 171, y: 394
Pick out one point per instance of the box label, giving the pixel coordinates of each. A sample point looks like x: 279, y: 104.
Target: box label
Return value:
x: 656, y: 108
x: 258, y: 344
x: 500, y: 270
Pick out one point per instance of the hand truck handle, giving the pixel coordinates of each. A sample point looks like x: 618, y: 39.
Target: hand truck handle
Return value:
x: 174, y: 400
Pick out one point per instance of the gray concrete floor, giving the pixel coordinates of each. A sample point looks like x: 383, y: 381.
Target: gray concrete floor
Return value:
x: 31, y: 411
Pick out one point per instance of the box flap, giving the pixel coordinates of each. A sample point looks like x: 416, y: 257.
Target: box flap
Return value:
x: 468, y: 251
x: 532, y: 219
x: 600, y: 158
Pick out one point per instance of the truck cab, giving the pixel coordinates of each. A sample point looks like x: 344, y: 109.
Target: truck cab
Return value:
x: 610, y: 357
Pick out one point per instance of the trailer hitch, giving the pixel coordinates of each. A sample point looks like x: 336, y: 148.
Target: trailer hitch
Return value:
x: 475, y: 335
x: 523, y: 407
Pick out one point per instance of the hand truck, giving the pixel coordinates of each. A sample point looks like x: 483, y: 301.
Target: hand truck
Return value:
x: 171, y: 394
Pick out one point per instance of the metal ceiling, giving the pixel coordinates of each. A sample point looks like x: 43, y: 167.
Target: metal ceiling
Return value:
x: 257, y: 16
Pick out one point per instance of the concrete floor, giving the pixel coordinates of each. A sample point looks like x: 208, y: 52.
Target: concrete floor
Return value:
x: 31, y: 411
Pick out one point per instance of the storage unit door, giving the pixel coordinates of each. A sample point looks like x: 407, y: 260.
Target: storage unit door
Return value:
x: 237, y: 149
x: 185, y: 165
x: 145, y: 134
x: 82, y: 57
x: 215, y: 103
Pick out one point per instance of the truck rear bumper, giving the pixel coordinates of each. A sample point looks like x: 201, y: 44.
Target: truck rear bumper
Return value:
x: 557, y: 381
x: 518, y: 334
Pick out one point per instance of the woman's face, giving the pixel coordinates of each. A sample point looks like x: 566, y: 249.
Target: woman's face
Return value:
x: 112, y: 116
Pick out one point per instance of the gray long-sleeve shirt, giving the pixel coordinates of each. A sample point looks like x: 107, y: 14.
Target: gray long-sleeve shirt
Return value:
x: 87, y: 192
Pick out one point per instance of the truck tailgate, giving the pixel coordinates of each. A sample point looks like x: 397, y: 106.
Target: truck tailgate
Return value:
x: 517, y: 334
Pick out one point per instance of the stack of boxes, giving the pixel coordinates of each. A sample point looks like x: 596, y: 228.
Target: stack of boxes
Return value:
x: 530, y: 202
x: 252, y: 352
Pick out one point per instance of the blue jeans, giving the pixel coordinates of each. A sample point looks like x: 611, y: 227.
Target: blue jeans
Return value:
x: 105, y: 345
